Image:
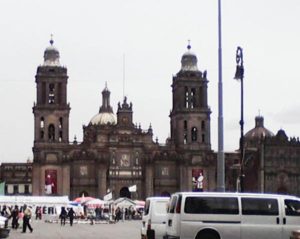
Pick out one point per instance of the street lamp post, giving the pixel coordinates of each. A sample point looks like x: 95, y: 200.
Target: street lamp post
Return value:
x: 239, y: 75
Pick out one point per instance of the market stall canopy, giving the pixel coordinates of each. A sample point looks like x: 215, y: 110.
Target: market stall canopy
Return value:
x: 94, y: 203
x: 83, y: 199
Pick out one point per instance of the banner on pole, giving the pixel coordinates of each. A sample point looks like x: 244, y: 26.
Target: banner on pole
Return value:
x: 107, y: 197
x: 132, y: 188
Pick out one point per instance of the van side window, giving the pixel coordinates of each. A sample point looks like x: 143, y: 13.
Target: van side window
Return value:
x: 211, y: 205
x: 147, y: 206
x: 259, y: 206
x: 172, y: 205
x: 292, y: 207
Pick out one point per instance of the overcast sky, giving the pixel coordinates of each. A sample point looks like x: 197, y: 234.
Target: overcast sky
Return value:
x: 93, y: 35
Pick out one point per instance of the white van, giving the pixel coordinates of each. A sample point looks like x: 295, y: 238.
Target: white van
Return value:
x: 155, y: 216
x: 201, y: 215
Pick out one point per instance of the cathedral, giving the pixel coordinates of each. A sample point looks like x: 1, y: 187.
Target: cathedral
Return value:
x: 116, y: 156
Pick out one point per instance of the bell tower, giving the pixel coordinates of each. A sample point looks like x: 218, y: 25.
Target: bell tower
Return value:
x: 190, y: 115
x: 51, y: 111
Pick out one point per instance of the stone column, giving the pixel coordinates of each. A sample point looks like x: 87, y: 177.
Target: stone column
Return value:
x: 261, y: 178
x: 210, y: 179
x: 36, y: 171
x: 101, y: 191
x: 183, y: 178
x: 190, y: 179
x: 66, y: 180
x: 149, y: 180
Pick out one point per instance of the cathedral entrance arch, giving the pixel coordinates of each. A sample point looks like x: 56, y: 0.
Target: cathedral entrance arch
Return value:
x: 124, y: 192
x: 83, y: 194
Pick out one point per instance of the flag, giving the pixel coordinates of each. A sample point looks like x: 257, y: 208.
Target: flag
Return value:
x: 107, y: 197
x: 2, y: 188
x: 132, y: 188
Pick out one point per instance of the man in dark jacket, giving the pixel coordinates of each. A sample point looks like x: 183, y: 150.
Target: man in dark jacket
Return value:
x: 71, y: 215
x: 15, y: 217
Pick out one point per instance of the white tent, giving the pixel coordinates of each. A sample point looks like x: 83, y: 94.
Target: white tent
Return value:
x: 124, y: 203
x: 35, y: 200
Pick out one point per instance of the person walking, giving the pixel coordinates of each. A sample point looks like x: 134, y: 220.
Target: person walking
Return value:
x: 63, y: 216
x: 38, y: 213
x: 71, y: 215
x: 118, y: 214
x: 15, y: 217
x: 26, y: 219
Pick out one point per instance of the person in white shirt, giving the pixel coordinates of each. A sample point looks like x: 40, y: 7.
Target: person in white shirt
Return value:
x: 200, y: 182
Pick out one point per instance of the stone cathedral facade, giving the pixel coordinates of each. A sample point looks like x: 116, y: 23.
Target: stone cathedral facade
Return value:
x: 116, y: 154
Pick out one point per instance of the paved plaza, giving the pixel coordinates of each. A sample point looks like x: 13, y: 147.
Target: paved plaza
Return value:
x: 43, y: 230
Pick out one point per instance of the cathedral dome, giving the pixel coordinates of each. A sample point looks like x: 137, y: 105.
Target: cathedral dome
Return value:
x: 189, y: 61
x: 259, y: 131
x: 104, y: 118
x: 51, y: 55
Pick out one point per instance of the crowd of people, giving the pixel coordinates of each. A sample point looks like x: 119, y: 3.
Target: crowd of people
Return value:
x: 127, y: 213
x: 15, y: 214
x: 112, y: 215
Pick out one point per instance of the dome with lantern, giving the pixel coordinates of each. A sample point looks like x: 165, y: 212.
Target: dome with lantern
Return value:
x: 106, y: 115
x: 51, y: 55
x: 259, y: 131
x: 189, y: 60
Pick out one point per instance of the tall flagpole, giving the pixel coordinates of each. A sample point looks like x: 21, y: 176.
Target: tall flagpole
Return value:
x: 220, y: 166
x: 123, y: 75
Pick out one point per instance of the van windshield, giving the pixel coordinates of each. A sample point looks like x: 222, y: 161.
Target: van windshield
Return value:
x: 211, y: 205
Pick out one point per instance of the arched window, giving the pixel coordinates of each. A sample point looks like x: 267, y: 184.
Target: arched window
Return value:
x: 193, y: 98
x: 42, y: 134
x: 51, y: 96
x: 186, y: 97
x: 136, y: 158
x: 60, y: 136
x: 203, y: 138
x: 42, y: 122
x: 185, y: 125
x: 184, y: 138
x: 194, y: 132
x: 60, y: 122
x: 203, y: 125
x: 51, y: 132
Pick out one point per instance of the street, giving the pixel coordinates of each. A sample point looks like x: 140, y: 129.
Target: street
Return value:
x: 44, y: 230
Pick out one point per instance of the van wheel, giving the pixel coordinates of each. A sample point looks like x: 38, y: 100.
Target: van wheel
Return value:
x: 208, y: 235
